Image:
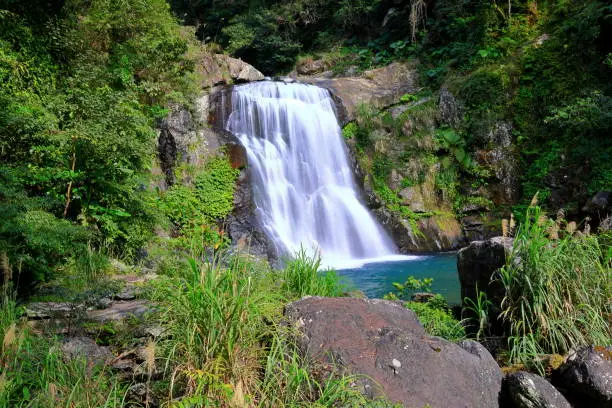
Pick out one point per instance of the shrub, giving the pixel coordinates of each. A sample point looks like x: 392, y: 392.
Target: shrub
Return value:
x: 557, y: 290
x: 437, y: 319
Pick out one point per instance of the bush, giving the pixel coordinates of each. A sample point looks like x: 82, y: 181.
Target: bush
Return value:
x: 557, y: 290
x: 437, y: 320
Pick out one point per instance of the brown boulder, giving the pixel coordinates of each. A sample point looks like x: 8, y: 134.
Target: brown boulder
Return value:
x: 309, y: 66
x: 385, y: 342
x: 218, y: 69
x: 379, y: 88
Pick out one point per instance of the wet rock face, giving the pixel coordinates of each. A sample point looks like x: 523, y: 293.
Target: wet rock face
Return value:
x: 501, y: 159
x: 385, y: 342
x: 527, y: 390
x: 429, y: 234
x: 242, y: 224
x: 586, y: 377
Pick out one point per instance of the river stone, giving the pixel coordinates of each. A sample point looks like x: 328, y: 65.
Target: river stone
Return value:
x: 586, y: 376
x: 384, y: 341
x: 55, y: 310
x: 120, y: 310
x: 87, y: 348
x: 527, y: 390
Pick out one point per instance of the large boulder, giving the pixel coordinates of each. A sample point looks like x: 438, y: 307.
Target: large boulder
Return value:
x: 384, y: 341
x: 308, y: 66
x: 184, y: 138
x: 379, y: 88
x: 216, y: 69
x: 586, y: 377
x: 476, y: 265
x: 527, y: 390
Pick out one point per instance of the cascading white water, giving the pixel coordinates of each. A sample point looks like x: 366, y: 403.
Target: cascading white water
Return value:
x: 303, y: 185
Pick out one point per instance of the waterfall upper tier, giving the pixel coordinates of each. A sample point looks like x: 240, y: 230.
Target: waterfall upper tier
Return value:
x: 303, y: 186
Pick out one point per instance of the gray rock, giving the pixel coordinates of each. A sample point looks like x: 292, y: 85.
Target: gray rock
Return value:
x: 412, y: 198
x: 605, y: 225
x: 120, y: 310
x: 85, y: 347
x: 385, y: 342
x: 448, y: 108
x: 380, y: 88
x: 526, y: 390
x: 428, y: 234
x: 476, y: 265
x: 223, y: 69
x: 54, y: 310
x: 601, y: 201
x: 143, y: 394
x: 502, y: 159
x: 103, y: 303
x: 586, y: 376
x: 129, y: 292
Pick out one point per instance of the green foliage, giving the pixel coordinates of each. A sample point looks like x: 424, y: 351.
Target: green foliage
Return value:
x: 437, y: 319
x: 412, y: 285
x: 226, y: 339
x: 214, y: 316
x: 407, y: 98
x: 302, y: 276
x: 350, y: 130
x: 215, y: 187
x: 556, y: 290
x: 479, y: 308
x: 83, y: 84
x: 454, y: 144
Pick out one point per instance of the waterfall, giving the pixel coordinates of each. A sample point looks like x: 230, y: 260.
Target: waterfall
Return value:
x: 302, y: 182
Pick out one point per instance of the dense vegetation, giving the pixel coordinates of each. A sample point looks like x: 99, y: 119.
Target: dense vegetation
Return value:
x: 84, y: 84
x: 541, y: 67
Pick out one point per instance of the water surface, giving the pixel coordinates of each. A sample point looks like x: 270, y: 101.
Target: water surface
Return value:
x: 376, y: 279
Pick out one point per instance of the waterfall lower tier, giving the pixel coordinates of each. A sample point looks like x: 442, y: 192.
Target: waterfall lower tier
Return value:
x: 303, y: 185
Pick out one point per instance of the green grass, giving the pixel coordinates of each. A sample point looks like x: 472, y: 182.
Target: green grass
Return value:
x: 227, y: 345
x: 557, y: 290
x: 302, y: 276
